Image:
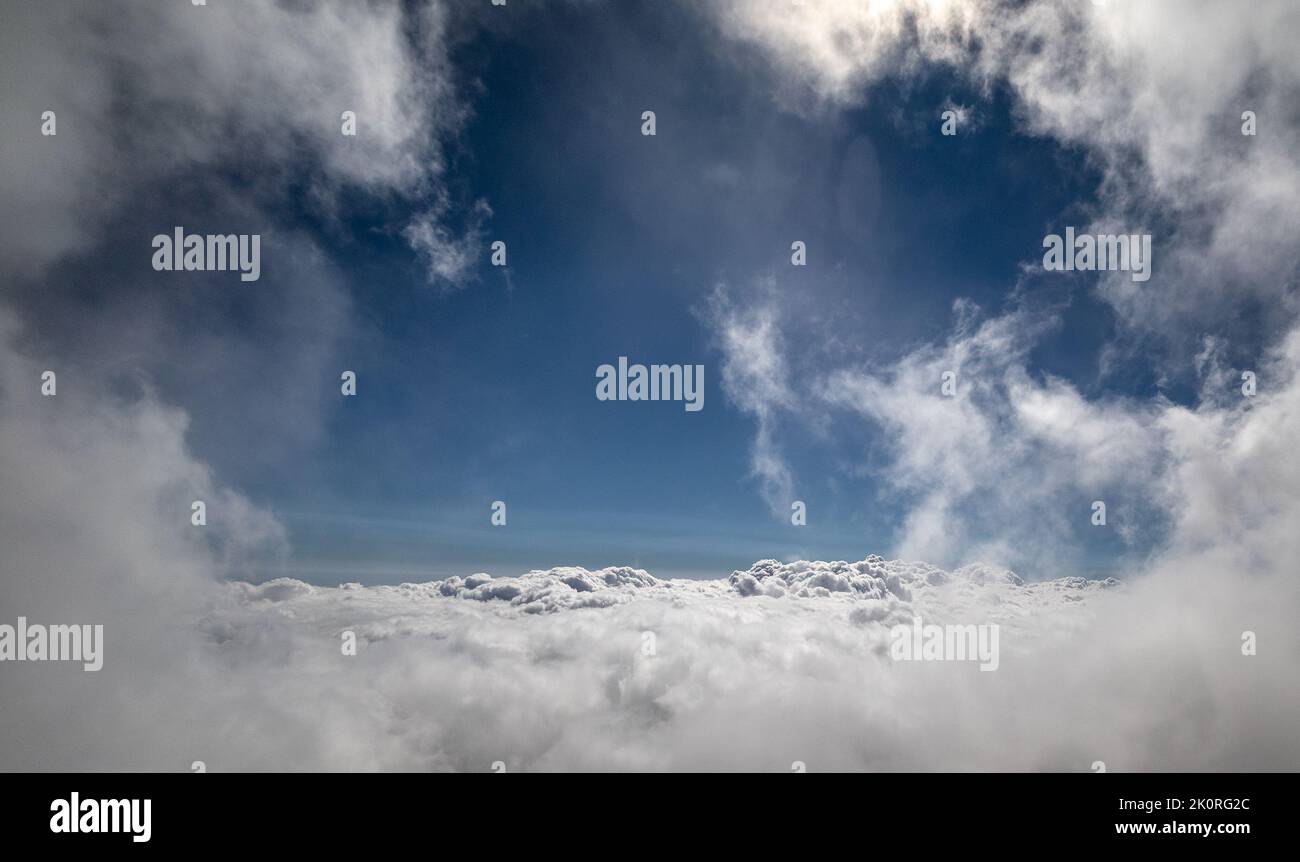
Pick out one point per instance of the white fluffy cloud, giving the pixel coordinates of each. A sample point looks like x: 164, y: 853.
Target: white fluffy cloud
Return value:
x: 1153, y: 91
x: 1006, y: 468
x: 227, y: 118
x: 210, y: 86
x: 837, y: 48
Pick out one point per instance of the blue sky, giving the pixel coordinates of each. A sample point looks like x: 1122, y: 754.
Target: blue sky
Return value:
x: 481, y: 387
x: 615, y: 242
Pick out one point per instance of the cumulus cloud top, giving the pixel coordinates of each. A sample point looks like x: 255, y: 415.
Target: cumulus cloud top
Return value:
x: 872, y: 577
x: 897, y: 583
x: 538, y: 591
x: 871, y: 592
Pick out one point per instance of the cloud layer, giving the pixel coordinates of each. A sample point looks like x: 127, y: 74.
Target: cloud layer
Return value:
x: 616, y: 670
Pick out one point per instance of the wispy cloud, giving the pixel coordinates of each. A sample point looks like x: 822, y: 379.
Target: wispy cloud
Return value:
x: 754, y: 378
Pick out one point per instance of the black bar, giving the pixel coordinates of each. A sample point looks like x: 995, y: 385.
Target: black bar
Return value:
x: 335, y: 812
